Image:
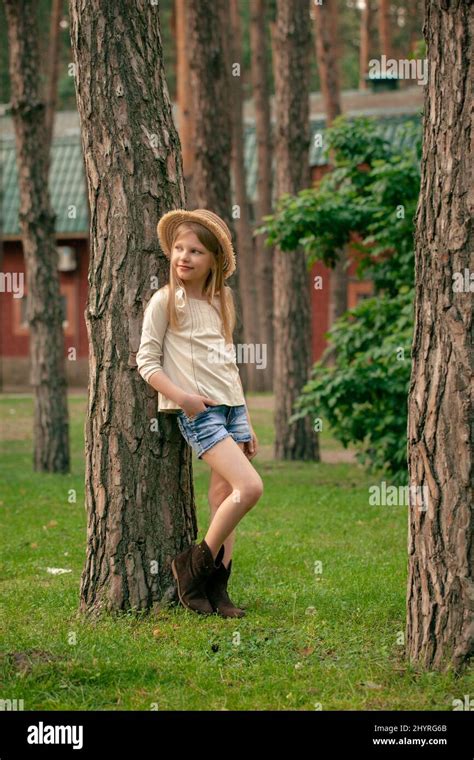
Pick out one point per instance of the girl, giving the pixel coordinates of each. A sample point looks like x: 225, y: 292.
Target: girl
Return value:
x: 184, y: 355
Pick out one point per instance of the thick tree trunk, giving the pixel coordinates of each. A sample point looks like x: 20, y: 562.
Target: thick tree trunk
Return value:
x: 44, y: 312
x: 291, y: 296
x: 247, y: 282
x: 208, y: 44
x: 365, y: 20
x: 440, y: 597
x: 139, y: 490
x: 263, y: 128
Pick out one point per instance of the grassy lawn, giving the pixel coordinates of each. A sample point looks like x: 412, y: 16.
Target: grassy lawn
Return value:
x: 329, y: 640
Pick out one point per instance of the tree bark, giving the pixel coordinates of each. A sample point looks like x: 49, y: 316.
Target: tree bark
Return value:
x: 338, y: 287
x: 291, y: 297
x: 139, y: 488
x: 184, y: 98
x: 326, y: 35
x: 208, y: 43
x: 385, y: 33
x: 414, y: 23
x: 440, y: 595
x: 365, y: 21
x: 263, y: 129
x: 248, y: 290
x: 37, y: 219
x: 325, y: 26
x: 53, y: 69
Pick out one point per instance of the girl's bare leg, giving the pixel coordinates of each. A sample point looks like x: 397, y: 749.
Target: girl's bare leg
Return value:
x: 230, y: 462
x: 219, y: 490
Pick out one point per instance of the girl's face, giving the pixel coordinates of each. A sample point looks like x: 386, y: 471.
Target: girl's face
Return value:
x: 190, y: 259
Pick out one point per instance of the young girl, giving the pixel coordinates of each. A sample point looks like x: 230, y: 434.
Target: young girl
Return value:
x: 184, y: 354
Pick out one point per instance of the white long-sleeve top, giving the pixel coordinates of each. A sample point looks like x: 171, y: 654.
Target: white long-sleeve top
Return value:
x: 195, y: 357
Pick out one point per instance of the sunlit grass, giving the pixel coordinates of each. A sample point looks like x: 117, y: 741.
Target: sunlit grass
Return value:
x: 321, y: 573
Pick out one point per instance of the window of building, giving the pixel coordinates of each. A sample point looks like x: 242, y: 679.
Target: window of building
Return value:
x: 68, y: 303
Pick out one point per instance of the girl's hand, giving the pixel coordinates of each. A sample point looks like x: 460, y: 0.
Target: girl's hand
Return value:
x: 193, y: 404
x: 250, y: 447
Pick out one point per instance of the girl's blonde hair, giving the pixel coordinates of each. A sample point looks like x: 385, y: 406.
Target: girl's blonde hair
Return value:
x: 214, y: 284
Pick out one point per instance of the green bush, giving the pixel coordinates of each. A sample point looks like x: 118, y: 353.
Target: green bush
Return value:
x: 364, y: 396
x: 373, y: 191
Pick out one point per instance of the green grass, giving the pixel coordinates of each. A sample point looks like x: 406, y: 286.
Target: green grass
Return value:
x: 309, y: 641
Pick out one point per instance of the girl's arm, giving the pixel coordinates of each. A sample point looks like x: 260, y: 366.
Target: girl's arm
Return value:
x: 150, y: 353
x: 161, y: 382
x: 250, y: 448
x: 155, y: 322
x: 245, y: 402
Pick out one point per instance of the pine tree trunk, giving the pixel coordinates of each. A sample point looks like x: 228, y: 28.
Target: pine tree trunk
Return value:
x: 248, y: 290
x: 208, y: 45
x: 385, y: 33
x: 414, y: 24
x: 53, y: 68
x: 263, y: 128
x: 326, y: 53
x: 184, y: 98
x: 139, y: 490
x: 338, y: 287
x: 365, y: 21
x: 44, y: 312
x: 291, y: 296
x: 440, y: 597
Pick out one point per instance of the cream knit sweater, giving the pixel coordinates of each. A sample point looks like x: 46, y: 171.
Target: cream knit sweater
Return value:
x: 195, y: 356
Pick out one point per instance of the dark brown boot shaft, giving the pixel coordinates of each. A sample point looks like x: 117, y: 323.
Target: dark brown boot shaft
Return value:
x: 216, y: 590
x: 191, y: 569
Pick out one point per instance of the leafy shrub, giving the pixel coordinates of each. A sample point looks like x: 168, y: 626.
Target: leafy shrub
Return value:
x: 373, y: 191
x: 364, y: 397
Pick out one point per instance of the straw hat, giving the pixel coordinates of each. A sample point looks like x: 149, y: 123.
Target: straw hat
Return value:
x: 169, y: 222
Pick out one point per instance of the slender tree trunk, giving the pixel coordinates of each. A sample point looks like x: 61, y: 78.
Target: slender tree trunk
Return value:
x: 291, y: 297
x: 326, y: 35
x: 440, y: 620
x: 263, y: 128
x: 184, y: 98
x: 338, y: 287
x: 208, y: 45
x: 139, y: 489
x: 415, y: 21
x: 325, y: 17
x: 365, y: 21
x: 53, y: 61
x: 385, y: 32
x: 248, y: 290
x: 44, y: 311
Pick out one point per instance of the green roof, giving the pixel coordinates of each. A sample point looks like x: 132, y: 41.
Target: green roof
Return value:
x: 67, y: 180
x: 66, y: 184
x: 392, y: 128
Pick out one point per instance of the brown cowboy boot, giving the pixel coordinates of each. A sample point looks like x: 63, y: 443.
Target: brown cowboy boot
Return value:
x: 216, y: 591
x: 191, y: 569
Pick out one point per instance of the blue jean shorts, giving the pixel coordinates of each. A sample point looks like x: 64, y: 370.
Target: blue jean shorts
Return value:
x: 212, y: 425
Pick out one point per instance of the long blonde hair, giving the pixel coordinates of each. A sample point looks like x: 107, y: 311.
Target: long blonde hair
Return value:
x: 214, y: 284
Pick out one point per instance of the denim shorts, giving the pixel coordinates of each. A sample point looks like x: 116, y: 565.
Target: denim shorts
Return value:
x: 212, y: 425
